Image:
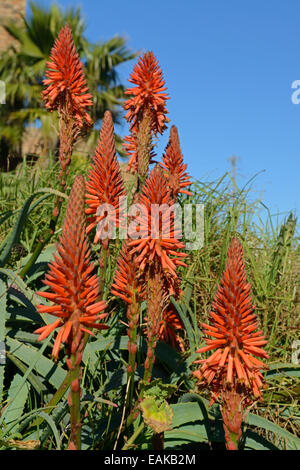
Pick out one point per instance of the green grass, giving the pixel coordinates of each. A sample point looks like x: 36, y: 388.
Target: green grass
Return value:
x: 271, y: 251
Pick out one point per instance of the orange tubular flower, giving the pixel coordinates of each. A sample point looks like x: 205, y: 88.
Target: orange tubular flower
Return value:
x: 105, y: 184
x: 169, y: 328
x: 148, y: 103
x: 148, y: 93
x: 175, y: 169
x: 233, y: 334
x: 73, y: 289
x: 126, y: 284
x: 66, y: 88
x: 163, y: 244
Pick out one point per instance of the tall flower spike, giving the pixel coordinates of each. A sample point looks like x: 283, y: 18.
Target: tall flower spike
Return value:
x: 148, y: 93
x: 126, y: 284
x: 146, y: 112
x: 158, y: 232
x: 175, y: 169
x: 73, y: 288
x: 66, y: 89
x: 233, y: 334
x: 105, y: 184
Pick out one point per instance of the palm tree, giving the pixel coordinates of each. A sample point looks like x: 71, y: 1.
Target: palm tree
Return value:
x: 23, y: 65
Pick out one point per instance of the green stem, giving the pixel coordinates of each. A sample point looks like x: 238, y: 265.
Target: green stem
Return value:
x: 60, y: 392
x: 103, y: 267
x: 233, y: 442
x: 133, y: 314
x: 75, y: 438
x: 133, y: 415
x: 130, y: 441
x: 130, y: 374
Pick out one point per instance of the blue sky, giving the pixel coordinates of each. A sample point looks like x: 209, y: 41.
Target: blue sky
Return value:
x: 229, y: 68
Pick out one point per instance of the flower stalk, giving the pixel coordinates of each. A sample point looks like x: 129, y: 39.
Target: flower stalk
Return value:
x: 105, y: 188
x: 146, y: 113
x: 74, y: 404
x: 233, y: 371
x: 74, y: 294
x: 156, y: 300
x: 65, y: 92
x: 127, y: 287
x: 156, y: 256
x: 233, y: 415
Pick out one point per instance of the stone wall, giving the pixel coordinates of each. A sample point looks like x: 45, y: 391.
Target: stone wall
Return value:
x: 10, y: 10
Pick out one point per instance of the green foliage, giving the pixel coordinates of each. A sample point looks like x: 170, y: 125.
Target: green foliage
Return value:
x: 42, y: 415
x: 157, y: 414
x: 291, y: 441
x: 157, y: 389
x: 3, y: 307
x: 16, y: 399
x: 13, y: 238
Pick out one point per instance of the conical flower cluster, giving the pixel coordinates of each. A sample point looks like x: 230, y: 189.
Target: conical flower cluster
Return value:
x: 157, y: 231
x: 175, y: 169
x: 148, y: 94
x: 233, y: 333
x: 73, y: 291
x: 146, y: 111
x: 126, y: 284
x: 66, y: 88
x: 105, y: 185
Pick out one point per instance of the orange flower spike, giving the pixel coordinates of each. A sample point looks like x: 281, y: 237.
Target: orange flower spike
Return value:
x: 66, y: 88
x: 105, y: 184
x: 146, y: 112
x: 73, y: 289
x: 126, y: 284
x: 232, y: 328
x: 163, y: 244
x: 148, y: 93
x: 175, y: 169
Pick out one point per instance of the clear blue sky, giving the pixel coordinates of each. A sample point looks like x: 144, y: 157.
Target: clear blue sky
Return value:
x: 229, y: 67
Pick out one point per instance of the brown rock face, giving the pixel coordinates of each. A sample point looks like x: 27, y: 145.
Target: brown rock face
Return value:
x: 10, y: 10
